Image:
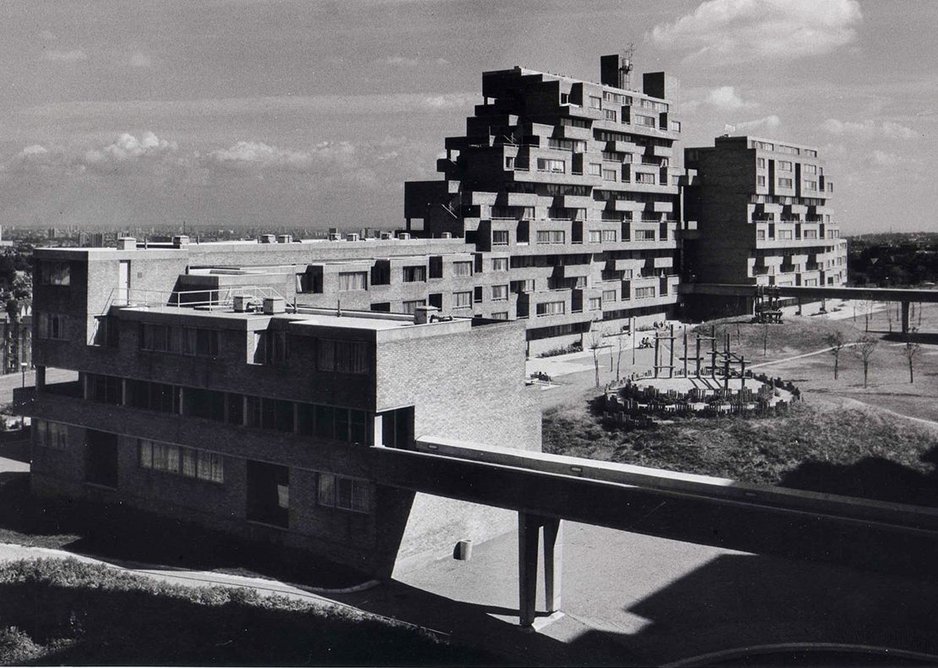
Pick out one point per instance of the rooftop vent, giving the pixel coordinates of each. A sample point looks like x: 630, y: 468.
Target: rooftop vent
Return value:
x: 180, y: 241
x: 274, y: 305
x: 285, y: 239
x: 386, y: 235
x: 447, y: 235
x: 403, y: 235
x: 240, y: 303
x: 267, y: 239
x: 352, y: 236
x: 126, y: 243
x: 425, y: 314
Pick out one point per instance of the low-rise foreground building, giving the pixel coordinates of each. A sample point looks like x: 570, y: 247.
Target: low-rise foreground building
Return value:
x: 207, y: 396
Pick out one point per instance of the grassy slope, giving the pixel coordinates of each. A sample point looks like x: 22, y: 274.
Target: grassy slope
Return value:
x: 65, y: 611
x: 820, y: 445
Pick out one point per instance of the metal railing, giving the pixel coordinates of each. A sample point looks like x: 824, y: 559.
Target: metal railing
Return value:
x: 208, y: 297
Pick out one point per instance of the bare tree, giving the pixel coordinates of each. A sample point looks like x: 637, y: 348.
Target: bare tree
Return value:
x: 765, y: 337
x: 596, y: 342
x: 889, y: 315
x: 618, y: 356
x: 867, y: 306
x: 864, y: 347
x: 836, y: 342
x: 911, y: 350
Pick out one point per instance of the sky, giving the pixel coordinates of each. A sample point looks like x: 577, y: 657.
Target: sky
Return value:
x: 278, y: 114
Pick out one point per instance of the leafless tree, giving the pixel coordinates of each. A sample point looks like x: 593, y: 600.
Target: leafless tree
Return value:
x: 836, y: 342
x: 765, y: 337
x: 864, y: 347
x: 889, y: 315
x: 911, y: 350
x: 867, y: 306
x: 596, y: 342
x: 618, y: 356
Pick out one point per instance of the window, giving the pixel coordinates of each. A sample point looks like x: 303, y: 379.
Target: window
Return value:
x: 784, y: 234
x: 509, y: 162
x: 477, y: 294
x: 343, y: 493
x: 611, y: 115
x: 645, y: 293
x: 55, y: 273
x: 106, y: 389
x: 416, y: 274
x: 187, y: 462
x: 645, y: 177
x: 595, y: 169
x: 595, y: 236
x: 52, y: 435
x: 609, y: 175
x: 551, y: 308
x: 811, y: 153
x: 760, y: 235
x: 152, y: 396
x: 551, y: 165
x: 343, y: 356
x: 411, y: 306
x: 810, y: 169
x: 594, y: 304
x: 760, y: 163
x: 499, y: 264
x: 462, y: 299
x: 180, y: 340
x: 53, y: 326
x: 551, y: 236
x: 810, y: 185
x: 784, y: 183
x: 500, y: 315
x: 784, y: 166
x: 526, y: 285
x: 499, y: 237
x: 596, y: 102
x: 760, y: 181
x: 644, y: 235
x: 609, y: 296
x: 353, y: 280
x: 647, y: 121
x: 462, y: 268
x: 609, y: 236
x: 499, y: 293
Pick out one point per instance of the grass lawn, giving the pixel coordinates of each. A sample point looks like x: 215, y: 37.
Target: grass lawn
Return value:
x: 843, y: 438
x: 68, y: 612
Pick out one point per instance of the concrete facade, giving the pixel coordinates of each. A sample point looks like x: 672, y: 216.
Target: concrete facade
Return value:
x: 757, y: 212
x: 576, y: 184
x: 262, y: 420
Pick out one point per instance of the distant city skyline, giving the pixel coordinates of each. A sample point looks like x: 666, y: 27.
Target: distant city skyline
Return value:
x: 282, y: 114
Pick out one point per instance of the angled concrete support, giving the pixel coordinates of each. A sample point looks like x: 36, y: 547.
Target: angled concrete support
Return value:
x: 529, y: 530
x: 905, y: 317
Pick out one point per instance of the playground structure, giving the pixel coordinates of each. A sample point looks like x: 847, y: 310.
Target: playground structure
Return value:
x: 720, y: 385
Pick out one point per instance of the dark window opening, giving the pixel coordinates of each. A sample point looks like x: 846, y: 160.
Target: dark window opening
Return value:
x: 268, y: 493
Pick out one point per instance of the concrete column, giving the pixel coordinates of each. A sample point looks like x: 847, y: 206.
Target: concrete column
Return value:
x: 41, y: 378
x: 377, y: 437
x: 905, y: 317
x: 529, y: 529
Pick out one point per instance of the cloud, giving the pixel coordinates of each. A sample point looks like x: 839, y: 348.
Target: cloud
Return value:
x: 418, y: 61
x: 251, y: 155
x: 868, y: 129
x: 733, y: 31
x: 725, y: 98
x: 127, y: 149
x: 139, y: 59
x: 767, y: 122
x: 73, y: 56
x: 884, y: 159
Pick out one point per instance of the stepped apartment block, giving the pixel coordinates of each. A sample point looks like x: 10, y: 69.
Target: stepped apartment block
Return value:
x: 757, y: 212
x: 571, y: 188
x: 200, y: 396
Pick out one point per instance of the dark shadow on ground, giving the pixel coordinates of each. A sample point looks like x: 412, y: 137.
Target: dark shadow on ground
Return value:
x: 870, y: 478
x: 471, y: 623
x: 914, y: 337
x: 121, y: 534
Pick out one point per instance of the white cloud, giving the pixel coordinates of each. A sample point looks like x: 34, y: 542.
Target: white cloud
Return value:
x: 33, y: 150
x: 140, y: 59
x: 732, y: 31
x: 884, y: 159
x: 868, y: 129
x: 418, y: 61
x: 128, y: 149
x: 725, y: 98
x: 251, y: 155
x: 74, y: 56
x: 767, y: 122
